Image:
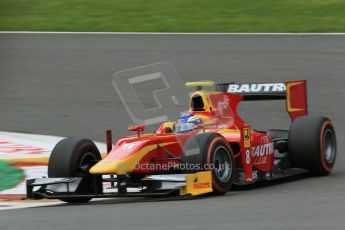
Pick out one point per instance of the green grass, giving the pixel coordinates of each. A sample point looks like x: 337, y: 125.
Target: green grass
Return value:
x: 9, y: 176
x: 174, y: 15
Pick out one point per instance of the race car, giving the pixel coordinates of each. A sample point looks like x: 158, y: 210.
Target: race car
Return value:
x: 206, y: 150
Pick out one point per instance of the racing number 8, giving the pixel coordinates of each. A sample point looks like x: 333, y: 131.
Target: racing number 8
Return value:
x: 248, y: 156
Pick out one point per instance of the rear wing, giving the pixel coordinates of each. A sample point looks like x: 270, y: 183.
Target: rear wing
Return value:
x: 294, y: 92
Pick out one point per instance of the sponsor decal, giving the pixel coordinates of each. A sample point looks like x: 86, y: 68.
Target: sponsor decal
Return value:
x: 262, y: 150
x: 246, y: 137
x: 257, y: 88
x: 223, y: 106
x: 260, y: 153
x: 199, y: 186
x: 128, y: 146
x: 260, y: 160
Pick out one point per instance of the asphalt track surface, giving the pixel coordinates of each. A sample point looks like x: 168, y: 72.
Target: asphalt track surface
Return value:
x: 60, y: 84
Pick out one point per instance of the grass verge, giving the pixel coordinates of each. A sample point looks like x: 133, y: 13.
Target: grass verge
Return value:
x: 9, y: 176
x: 174, y: 15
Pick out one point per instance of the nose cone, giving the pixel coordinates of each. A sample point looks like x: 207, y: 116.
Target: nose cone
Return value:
x: 106, y: 166
x: 113, y: 165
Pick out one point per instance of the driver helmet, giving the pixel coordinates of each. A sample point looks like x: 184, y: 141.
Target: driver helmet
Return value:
x: 187, y: 122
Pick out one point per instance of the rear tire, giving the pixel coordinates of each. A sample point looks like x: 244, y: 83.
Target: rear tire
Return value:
x: 312, y: 144
x: 73, y: 157
x: 213, y: 150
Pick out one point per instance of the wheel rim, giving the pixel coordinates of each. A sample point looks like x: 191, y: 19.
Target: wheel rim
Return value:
x: 329, y: 146
x: 222, y: 164
x: 86, y: 163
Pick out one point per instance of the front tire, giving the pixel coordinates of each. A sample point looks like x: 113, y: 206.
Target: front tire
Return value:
x: 213, y: 150
x: 73, y: 157
x: 312, y: 144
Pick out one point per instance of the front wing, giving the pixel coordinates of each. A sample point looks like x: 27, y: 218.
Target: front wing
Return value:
x: 152, y: 185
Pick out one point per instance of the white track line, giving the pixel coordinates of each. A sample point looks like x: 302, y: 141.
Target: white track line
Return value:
x: 167, y: 33
x: 20, y: 205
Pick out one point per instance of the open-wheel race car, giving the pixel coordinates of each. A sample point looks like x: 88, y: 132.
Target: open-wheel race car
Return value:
x: 207, y: 150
